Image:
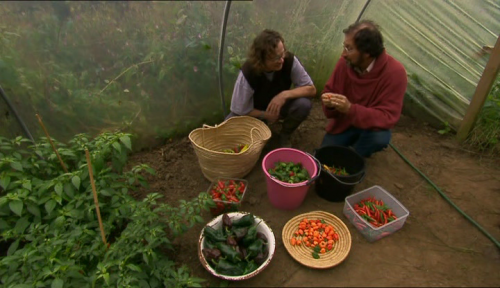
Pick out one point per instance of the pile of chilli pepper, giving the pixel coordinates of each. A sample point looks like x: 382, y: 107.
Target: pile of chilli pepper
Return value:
x: 316, y: 234
x: 374, y: 212
x: 227, y: 195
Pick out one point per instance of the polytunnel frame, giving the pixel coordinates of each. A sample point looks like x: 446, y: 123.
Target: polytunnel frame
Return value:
x: 478, y: 100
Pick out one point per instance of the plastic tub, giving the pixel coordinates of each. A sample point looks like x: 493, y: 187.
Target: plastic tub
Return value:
x: 370, y: 232
x: 226, y: 206
x: 288, y: 196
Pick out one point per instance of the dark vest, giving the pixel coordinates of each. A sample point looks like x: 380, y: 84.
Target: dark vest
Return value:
x: 265, y: 90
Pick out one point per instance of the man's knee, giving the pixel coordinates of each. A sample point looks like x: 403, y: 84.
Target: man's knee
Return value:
x: 301, y: 107
x: 381, y: 139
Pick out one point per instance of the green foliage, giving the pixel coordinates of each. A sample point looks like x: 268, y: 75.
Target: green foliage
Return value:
x: 130, y: 66
x: 485, y: 136
x: 446, y: 129
x: 49, y: 218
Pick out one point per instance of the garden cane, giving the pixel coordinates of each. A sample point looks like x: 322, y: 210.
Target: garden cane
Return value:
x: 51, y: 143
x: 96, y: 201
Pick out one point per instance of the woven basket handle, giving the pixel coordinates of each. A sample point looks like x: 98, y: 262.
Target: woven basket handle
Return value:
x: 251, y: 134
x: 208, y: 126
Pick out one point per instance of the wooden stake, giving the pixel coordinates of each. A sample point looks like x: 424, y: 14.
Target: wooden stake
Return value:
x: 483, y: 88
x: 96, y: 201
x: 52, y: 144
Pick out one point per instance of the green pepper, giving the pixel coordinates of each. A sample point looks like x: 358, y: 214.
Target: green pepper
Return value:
x: 209, y: 244
x: 244, y: 221
x: 254, y: 249
x: 227, y: 268
x: 239, y: 233
x: 251, y: 236
x: 250, y: 267
x: 282, y: 164
x: 231, y: 254
x: 213, y: 235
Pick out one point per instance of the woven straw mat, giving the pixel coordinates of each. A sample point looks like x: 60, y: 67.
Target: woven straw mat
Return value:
x: 209, y: 142
x: 303, y: 254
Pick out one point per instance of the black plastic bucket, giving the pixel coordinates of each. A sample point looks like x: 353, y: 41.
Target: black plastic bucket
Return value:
x: 336, y: 187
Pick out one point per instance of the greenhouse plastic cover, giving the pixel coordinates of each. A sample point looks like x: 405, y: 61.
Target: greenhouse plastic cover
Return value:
x: 151, y: 68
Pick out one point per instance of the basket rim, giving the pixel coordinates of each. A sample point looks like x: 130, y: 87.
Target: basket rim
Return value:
x: 219, y: 125
x: 338, y: 224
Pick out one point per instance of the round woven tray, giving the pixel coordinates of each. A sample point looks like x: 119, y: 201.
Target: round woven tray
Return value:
x: 303, y: 254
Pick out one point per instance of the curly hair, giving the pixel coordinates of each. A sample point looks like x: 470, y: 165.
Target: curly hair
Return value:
x: 367, y: 37
x: 263, y: 46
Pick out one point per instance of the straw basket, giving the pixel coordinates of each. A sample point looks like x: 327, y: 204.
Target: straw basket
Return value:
x: 303, y: 254
x: 208, y: 143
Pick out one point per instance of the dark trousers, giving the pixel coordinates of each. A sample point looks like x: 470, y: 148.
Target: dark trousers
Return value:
x: 364, y: 142
x: 293, y: 113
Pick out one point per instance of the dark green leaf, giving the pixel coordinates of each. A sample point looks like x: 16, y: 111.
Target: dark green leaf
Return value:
x: 69, y: 190
x: 3, y: 225
x: 21, y: 225
x: 16, y: 206
x: 59, y: 221
x: 59, y: 188
x: 126, y: 141
x: 33, y: 209
x: 76, y: 182
x: 198, y: 219
x: 315, y: 255
x: 117, y: 146
x: 57, y: 283
x: 17, y: 166
x: 13, y: 247
x: 134, y: 267
x: 50, y: 205
x: 4, y: 182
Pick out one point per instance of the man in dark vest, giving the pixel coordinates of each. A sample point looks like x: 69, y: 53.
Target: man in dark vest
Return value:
x: 263, y: 88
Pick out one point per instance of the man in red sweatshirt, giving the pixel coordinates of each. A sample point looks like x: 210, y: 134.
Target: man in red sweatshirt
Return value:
x: 364, y: 96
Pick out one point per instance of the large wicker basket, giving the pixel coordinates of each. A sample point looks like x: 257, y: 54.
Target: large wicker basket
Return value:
x: 209, y: 142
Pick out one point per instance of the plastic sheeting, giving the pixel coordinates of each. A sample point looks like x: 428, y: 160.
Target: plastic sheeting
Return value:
x: 150, y: 68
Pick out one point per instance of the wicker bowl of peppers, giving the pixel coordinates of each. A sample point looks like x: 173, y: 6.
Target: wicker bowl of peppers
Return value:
x: 236, y: 246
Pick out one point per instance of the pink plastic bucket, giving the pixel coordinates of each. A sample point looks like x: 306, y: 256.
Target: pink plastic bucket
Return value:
x: 283, y: 195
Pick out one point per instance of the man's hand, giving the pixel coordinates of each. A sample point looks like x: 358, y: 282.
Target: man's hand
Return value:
x: 271, y: 118
x: 276, y: 103
x: 337, y: 101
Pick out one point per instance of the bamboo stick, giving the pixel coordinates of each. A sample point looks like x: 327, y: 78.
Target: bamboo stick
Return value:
x: 51, y: 143
x: 96, y: 201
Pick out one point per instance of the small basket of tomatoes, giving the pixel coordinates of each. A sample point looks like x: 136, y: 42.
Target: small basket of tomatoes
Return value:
x: 227, y: 193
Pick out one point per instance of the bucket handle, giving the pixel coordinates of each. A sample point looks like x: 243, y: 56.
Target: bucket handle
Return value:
x: 318, y: 165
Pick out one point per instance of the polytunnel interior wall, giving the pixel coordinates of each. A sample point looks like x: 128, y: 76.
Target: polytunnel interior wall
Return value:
x: 150, y: 68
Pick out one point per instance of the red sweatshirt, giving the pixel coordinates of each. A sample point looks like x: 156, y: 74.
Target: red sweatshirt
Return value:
x: 376, y: 97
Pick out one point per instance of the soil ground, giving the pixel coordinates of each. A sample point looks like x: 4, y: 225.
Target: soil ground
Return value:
x: 437, y: 246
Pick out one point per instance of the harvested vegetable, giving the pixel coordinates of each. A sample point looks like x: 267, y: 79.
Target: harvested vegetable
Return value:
x: 374, y: 212
x: 238, y: 249
x: 289, y: 172
x: 316, y: 234
x: 227, y: 195
x: 237, y: 149
x: 336, y: 170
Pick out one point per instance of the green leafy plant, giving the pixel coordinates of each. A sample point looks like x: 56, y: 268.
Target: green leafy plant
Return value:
x: 485, y: 136
x: 49, y: 226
